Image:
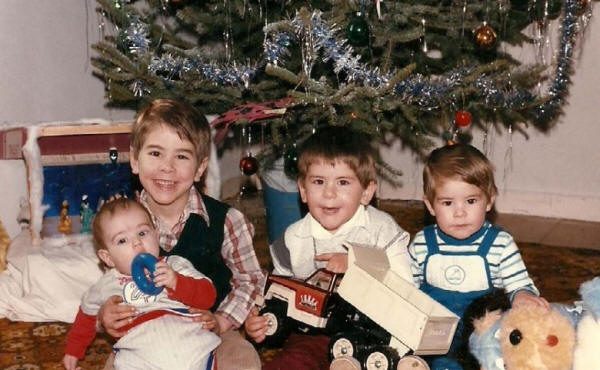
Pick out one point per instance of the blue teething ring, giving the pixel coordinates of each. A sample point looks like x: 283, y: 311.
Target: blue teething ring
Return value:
x: 139, y: 265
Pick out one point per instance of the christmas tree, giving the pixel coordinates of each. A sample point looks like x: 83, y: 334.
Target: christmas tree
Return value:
x: 412, y: 70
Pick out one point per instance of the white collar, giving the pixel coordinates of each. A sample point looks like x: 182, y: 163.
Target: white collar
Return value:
x: 317, y: 231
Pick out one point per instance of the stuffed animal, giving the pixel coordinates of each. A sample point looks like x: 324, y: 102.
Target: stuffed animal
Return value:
x: 532, y: 338
x: 4, y: 243
x: 484, y: 342
x: 482, y: 326
x: 587, y: 352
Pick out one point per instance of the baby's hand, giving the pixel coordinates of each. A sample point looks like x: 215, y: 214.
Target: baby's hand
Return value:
x: 165, y: 276
x: 70, y: 362
x: 526, y: 298
x: 207, y: 319
x: 336, y: 262
x: 256, y: 326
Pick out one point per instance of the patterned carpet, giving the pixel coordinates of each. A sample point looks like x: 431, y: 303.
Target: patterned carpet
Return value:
x: 558, y: 272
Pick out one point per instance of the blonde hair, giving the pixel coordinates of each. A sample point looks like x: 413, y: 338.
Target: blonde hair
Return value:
x: 458, y: 162
x: 337, y: 143
x: 109, y: 209
x: 189, y: 124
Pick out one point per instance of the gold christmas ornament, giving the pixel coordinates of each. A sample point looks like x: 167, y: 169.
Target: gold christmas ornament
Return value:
x: 485, y: 37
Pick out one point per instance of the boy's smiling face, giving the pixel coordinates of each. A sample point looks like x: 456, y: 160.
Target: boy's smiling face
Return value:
x: 333, y: 193
x: 167, y: 166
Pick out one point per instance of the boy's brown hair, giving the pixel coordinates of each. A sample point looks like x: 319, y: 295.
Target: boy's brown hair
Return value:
x: 186, y: 120
x: 458, y: 162
x: 108, y: 209
x: 337, y: 143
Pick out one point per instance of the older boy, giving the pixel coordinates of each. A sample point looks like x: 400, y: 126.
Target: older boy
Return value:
x: 337, y: 180
x: 169, y: 152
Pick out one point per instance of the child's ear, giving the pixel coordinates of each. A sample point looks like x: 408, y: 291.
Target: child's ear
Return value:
x: 105, y: 257
x: 490, y: 203
x: 201, y: 168
x: 302, y: 190
x: 368, y: 193
x: 429, y: 206
x: 134, y: 162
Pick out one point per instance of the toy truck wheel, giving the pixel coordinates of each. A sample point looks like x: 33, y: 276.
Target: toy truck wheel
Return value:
x: 343, y: 344
x: 412, y: 362
x: 380, y: 358
x: 279, y: 328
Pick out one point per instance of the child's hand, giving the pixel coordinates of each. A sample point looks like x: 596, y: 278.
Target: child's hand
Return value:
x: 526, y: 298
x: 165, y: 276
x: 70, y: 363
x: 113, y: 315
x: 336, y: 262
x: 207, y: 319
x: 256, y: 326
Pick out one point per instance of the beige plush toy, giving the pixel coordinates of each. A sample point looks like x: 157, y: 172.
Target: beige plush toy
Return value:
x: 4, y: 243
x: 533, y: 338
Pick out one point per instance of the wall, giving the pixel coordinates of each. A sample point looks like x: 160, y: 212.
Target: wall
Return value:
x: 46, y: 76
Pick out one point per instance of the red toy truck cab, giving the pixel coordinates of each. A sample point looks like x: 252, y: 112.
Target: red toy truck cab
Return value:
x: 306, y: 303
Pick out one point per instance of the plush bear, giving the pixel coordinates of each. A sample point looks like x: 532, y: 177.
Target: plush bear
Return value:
x: 532, y: 338
x: 587, y: 352
x: 482, y: 326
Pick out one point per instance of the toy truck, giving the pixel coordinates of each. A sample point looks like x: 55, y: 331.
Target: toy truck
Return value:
x: 414, y: 322
x: 373, y: 316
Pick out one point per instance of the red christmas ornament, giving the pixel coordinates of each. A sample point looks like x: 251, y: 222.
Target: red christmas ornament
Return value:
x: 581, y: 7
x: 463, y: 118
x: 248, y: 165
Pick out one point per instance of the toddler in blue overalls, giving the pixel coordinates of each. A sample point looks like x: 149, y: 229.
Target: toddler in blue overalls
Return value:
x: 462, y: 256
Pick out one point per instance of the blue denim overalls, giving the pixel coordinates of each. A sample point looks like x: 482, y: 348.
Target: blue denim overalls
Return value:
x: 459, y: 278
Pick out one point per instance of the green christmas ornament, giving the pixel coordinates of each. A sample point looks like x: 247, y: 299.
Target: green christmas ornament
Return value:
x: 357, y: 30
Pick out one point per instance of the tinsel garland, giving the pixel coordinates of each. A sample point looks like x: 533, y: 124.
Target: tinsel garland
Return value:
x: 428, y: 93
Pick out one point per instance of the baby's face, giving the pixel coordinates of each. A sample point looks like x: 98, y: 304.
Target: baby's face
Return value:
x: 333, y: 193
x: 127, y: 233
x: 459, y: 207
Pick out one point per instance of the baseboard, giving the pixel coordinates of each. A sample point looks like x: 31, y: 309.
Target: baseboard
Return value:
x: 552, y: 231
x: 530, y: 203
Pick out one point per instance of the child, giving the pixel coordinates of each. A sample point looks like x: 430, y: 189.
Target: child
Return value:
x: 337, y: 179
x: 122, y: 229
x: 463, y: 256
x: 170, y: 144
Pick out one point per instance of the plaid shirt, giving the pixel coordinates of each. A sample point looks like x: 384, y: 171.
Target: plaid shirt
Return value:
x: 237, y: 251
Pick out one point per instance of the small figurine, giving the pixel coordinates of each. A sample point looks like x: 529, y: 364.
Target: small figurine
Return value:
x: 86, y: 214
x: 64, y: 222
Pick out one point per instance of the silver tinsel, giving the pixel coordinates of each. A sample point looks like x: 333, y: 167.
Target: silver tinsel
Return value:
x: 137, y: 37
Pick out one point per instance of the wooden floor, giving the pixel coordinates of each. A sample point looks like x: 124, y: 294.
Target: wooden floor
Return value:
x: 557, y: 271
